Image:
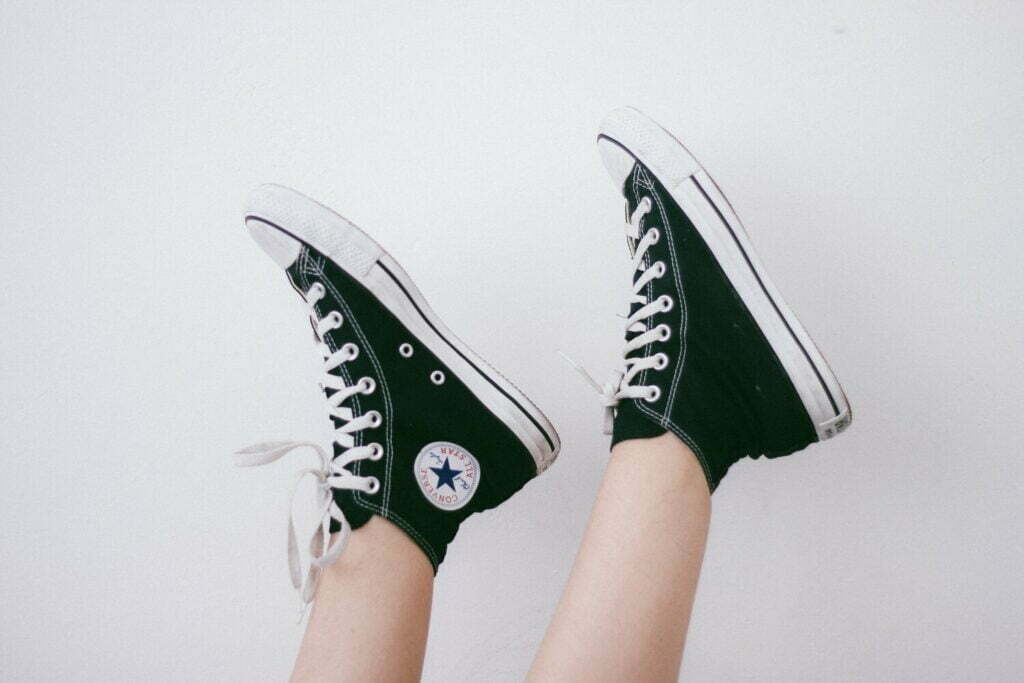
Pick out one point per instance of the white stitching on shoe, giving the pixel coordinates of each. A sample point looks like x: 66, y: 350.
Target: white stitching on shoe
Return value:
x: 384, y: 510
x: 640, y: 180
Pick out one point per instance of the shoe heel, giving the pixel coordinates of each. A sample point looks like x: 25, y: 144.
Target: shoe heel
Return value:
x: 835, y: 426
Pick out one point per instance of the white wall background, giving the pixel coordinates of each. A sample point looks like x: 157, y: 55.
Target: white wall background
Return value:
x: 873, y: 148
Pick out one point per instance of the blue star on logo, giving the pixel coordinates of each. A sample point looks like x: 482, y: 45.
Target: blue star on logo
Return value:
x: 445, y: 475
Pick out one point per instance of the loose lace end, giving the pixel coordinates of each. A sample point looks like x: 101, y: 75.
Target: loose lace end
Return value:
x: 607, y: 392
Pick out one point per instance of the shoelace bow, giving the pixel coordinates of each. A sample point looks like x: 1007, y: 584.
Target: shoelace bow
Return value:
x: 619, y: 385
x: 331, y: 473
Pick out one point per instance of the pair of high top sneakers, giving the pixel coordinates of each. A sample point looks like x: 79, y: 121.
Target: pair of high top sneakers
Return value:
x: 426, y: 433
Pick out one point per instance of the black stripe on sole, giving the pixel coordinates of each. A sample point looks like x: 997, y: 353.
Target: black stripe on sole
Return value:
x: 803, y: 349
x: 551, y: 443
x: 817, y: 372
x: 544, y: 433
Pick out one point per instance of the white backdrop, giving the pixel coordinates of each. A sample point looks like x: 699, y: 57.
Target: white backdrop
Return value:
x: 872, y: 148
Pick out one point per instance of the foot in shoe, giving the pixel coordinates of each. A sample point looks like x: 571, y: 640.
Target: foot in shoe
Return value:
x: 712, y: 353
x: 426, y: 433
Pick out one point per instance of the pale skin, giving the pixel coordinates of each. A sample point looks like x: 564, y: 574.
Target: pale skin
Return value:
x: 623, y: 615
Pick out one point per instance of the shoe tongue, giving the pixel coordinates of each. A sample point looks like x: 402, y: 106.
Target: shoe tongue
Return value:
x: 633, y: 306
x: 631, y: 243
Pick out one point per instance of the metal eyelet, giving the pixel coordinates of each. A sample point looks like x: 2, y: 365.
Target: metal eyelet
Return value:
x: 664, y: 332
x: 666, y: 303
x: 372, y: 485
x: 335, y: 318
x: 317, y: 291
x: 653, y: 395
x: 377, y: 451
x: 351, y: 350
x: 659, y: 269
x: 660, y: 361
x: 657, y: 235
x: 437, y: 377
x: 405, y: 350
x: 375, y: 419
x: 367, y: 385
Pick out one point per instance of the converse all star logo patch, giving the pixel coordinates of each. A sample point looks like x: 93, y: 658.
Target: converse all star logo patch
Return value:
x: 447, y: 474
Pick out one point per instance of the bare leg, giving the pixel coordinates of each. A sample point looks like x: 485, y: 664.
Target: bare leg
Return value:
x: 625, y: 611
x: 372, y: 610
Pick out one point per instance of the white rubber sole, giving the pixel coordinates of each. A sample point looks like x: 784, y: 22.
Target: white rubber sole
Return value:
x: 633, y: 133
x: 281, y: 220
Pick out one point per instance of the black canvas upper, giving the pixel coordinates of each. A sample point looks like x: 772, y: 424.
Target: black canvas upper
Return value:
x: 724, y: 392
x: 415, y: 412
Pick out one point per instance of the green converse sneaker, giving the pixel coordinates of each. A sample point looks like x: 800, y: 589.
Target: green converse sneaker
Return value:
x: 712, y: 354
x: 426, y: 433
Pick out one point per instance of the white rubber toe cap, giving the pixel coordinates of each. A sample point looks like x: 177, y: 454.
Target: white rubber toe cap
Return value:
x: 281, y: 247
x: 648, y: 142
x: 618, y: 161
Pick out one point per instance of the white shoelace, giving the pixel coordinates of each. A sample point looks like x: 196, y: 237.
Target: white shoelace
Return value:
x: 619, y: 385
x: 332, y: 473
